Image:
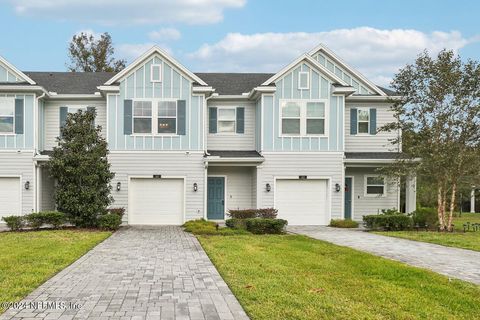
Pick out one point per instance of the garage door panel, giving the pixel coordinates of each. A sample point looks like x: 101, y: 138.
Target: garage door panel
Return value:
x: 302, y: 202
x: 9, y: 196
x: 156, y: 201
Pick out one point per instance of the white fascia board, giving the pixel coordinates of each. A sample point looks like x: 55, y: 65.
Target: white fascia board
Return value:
x: 202, y: 89
x: 17, y: 88
x: 343, y: 90
x: 229, y: 97
x: 344, y: 65
x: 95, y: 96
x: 109, y: 88
x: 372, y: 98
x: 165, y: 55
x: 17, y: 72
x: 216, y: 159
x: 261, y: 89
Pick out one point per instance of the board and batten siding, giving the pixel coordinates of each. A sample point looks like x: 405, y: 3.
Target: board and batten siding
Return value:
x: 362, y: 205
x: 14, y: 141
x: 233, y: 141
x: 167, y: 164
x: 379, y: 142
x: 287, y: 88
x: 51, y: 118
x: 239, y: 188
x: 174, y: 85
x: 313, y: 165
x: 20, y: 164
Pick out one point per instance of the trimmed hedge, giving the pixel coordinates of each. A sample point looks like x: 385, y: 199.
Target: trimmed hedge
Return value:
x: 54, y: 218
x: 14, y: 223
x: 425, y: 217
x: 266, y: 213
x: 118, y: 211
x: 236, y: 223
x: 266, y: 226
x: 35, y: 220
x: 109, y: 221
x: 341, y: 223
x: 394, y: 222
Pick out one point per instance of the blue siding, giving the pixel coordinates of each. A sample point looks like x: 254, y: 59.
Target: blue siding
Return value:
x: 21, y: 141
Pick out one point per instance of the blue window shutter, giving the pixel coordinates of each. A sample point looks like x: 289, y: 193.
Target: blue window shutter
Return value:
x: 212, y: 120
x: 353, y: 121
x: 19, y: 116
x: 63, y: 118
x: 181, y: 117
x: 373, y: 121
x: 241, y: 120
x: 127, y: 116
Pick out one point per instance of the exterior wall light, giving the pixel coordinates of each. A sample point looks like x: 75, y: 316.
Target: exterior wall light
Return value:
x: 119, y: 186
x: 337, y: 187
x: 195, y: 187
x: 268, y: 187
x: 27, y: 185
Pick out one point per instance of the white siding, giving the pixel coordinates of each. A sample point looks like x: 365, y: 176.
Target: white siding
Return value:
x: 314, y: 165
x: 240, y: 194
x: 362, y: 205
x: 366, y: 142
x: 20, y: 164
x: 138, y: 163
x: 234, y: 141
x: 52, y: 118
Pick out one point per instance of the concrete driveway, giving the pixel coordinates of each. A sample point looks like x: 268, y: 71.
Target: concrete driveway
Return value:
x: 137, y: 273
x: 452, y: 262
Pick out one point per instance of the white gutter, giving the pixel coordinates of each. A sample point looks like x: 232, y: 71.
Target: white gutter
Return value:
x: 372, y: 98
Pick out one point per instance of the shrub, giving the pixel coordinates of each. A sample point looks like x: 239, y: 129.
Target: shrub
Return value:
x: 35, y: 220
x: 388, y: 222
x: 54, y: 218
x: 203, y: 227
x: 340, y: 223
x: 118, y: 211
x: 266, y: 226
x: 267, y: 213
x: 14, y: 223
x: 236, y: 223
x: 242, y: 214
x: 424, y: 217
x: 389, y: 212
x: 109, y: 221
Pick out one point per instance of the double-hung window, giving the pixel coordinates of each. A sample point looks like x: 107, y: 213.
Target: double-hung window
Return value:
x: 7, y: 115
x: 226, y: 120
x: 167, y: 117
x: 303, y: 118
x: 374, y: 186
x: 142, y: 117
x: 363, y: 120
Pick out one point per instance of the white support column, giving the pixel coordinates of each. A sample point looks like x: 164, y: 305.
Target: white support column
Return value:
x: 472, y: 200
x: 411, y: 194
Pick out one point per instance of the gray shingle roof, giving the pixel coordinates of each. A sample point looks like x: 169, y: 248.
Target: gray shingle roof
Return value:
x: 70, y: 82
x: 234, y: 83
x: 388, y: 92
x: 234, y: 154
x: 373, y: 155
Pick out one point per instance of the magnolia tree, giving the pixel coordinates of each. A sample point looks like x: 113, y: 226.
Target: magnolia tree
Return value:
x: 439, y: 115
x: 80, y: 166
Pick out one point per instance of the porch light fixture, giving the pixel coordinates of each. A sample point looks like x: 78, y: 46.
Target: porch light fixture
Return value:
x: 27, y: 185
x: 337, y: 187
x: 195, y: 187
x: 119, y: 186
x: 268, y: 187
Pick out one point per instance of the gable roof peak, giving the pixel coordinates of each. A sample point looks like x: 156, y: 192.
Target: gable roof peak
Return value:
x: 17, y: 72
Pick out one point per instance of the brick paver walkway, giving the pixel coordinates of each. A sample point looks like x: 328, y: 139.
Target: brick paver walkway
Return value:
x: 452, y: 262
x: 138, y: 273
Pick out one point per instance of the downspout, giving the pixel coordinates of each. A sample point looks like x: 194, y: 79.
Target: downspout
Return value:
x: 36, y: 135
x: 205, y: 124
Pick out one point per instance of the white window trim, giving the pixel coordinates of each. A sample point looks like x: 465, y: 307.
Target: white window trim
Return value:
x: 154, y: 119
x: 371, y: 195
x: 303, y: 118
x: 300, y: 82
x: 358, y: 121
x: 159, y: 66
x: 10, y: 100
x: 234, y: 120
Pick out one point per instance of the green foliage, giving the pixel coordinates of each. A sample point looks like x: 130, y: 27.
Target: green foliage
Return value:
x: 54, y: 218
x: 266, y: 213
x: 234, y: 223
x: 88, y: 54
x: 80, y: 166
x: 118, y: 211
x: 14, y: 223
x: 109, y: 221
x: 341, y: 223
x: 266, y: 226
x: 396, y: 222
x: 390, y: 212
x: 425, y: 217
x: 203, y: 227
x: 35, y: 220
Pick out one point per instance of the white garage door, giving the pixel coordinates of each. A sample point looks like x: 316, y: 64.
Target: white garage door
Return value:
x: 9, y: 197
x: 302, y: 202
x: 156, y: 201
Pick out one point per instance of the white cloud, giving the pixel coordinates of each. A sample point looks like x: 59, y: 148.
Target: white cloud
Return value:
x: 376, y: 53
x: 127, y: 12
x: 165, y: 34
x: 131, y: 51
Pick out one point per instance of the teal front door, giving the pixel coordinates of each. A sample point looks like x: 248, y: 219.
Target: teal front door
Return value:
x: 216, y: 198
x: 348, y: 198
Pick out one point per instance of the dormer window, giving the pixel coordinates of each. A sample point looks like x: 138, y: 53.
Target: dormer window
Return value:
x: 156, y: 73
x: 303, y: 80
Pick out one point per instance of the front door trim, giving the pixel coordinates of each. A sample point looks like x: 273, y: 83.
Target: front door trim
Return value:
x: 352, y: 205
x: 224, y: 192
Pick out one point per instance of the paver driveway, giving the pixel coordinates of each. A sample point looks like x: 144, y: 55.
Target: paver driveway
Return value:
x: 452, y: 262
x: 138, y: 273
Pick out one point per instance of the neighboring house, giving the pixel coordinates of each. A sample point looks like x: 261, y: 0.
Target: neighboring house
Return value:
x: 186, y: 146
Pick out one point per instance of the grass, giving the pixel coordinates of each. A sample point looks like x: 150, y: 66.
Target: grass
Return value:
x: 296, y: 277
x: 468, y: 240
x: 203, y: 227
x: 27, y: 259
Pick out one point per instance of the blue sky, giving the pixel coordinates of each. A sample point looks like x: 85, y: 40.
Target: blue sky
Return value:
x: 376, y: 37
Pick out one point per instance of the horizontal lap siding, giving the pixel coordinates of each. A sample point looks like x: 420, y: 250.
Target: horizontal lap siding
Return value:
x: 47, y: 189
x: 236, y: 141
x: 21, y: 141
x: 20, y: 164
x: 379, y: 142
x: 240, y: 191
x: 166, y: 164
x: 370, y: 205
x: 292, y: 165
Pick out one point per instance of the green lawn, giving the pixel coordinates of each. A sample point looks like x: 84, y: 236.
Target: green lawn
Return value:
x: 296, y: 277
x: 468, y: 240
x: 27, y: 259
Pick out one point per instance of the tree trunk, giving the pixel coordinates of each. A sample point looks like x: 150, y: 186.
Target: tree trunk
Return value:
x: 452, y: 207
x: 439, y: 208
